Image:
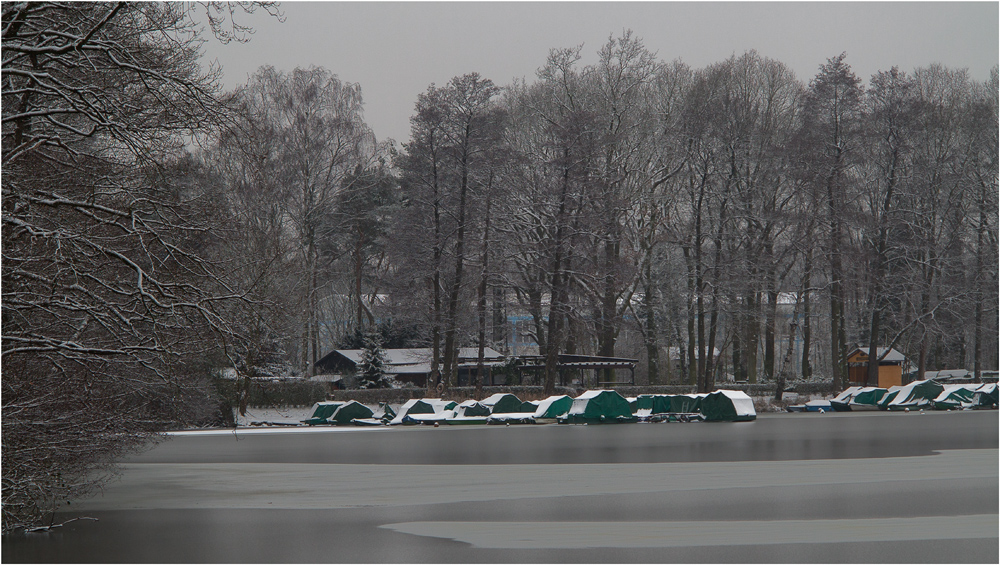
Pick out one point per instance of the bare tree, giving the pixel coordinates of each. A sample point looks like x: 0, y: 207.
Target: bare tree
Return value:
x: 310, y: 125
x: 109, y: 303
x: 830, y: 131
x: 469, y: 131
x: 446, y: 172
x: 889, y: 112
x: 983, y: 125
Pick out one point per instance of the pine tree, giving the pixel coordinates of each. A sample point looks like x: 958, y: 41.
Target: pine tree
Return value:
x: 372, y: 367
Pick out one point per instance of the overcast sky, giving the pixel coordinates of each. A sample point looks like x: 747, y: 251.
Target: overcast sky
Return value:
x: 396, y: 49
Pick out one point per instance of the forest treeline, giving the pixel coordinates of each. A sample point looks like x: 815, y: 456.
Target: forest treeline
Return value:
x: 684, y: 206
x: 157, y: 229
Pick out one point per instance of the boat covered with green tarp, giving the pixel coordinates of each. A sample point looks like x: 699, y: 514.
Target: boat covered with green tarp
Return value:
x: 669, y: 407
x: 918, y: 394
x: 418, y: 410
x: 552, y: 408
x: 523, y: 415
x: 321, y: 412
x: 648, y: 404
x: 599, y: 407
x: 352, y: 410
x: 955, y: 397
x: 528, y: 407
x: 502, y: 402
x: 471, y: 408
x: 985, y: 396
x: 728, y: 406
x: 858, y: 398
x: 380, y: 417
x: 686, y: 403
x: 384, y: 412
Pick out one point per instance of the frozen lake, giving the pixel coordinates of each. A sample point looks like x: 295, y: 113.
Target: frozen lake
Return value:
x: 864, y: 487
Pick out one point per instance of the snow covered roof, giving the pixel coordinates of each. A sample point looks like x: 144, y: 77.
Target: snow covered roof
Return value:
x: 948, y: 375
x: 892, y: 356
x: 415, y: 360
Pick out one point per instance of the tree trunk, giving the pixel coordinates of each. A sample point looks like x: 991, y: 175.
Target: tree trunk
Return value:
x: 558, y: 292
x: 752, y: 340
x: 499, y: 319
x: 483, y: 281
x: 450, y: 346
x: 607, y: 329
x: 650, y: 337
x: 977, y: 335
x: 710, y: 368
x: 357, y: 279
x: 836, y: 272
x: 691, y: 371
x: 806, y: 321
x: 770, y: 325
x: 739, y: 370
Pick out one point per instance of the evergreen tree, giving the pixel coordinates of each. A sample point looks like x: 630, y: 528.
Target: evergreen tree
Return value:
x: 372, y: 367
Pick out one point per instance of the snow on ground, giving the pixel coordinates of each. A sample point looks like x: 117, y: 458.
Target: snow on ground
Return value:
x: 287, y: 415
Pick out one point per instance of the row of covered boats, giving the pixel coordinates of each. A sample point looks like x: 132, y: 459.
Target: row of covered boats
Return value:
x: 918, y: 395
x: 591, y: 407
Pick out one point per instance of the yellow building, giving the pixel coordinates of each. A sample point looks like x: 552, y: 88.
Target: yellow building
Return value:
x: 890, y: 367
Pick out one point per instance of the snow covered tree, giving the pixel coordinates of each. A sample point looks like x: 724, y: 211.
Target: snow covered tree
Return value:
x: 112, y: 301
x: 446, y: 171
x: 371, y: 370
x: 831, y: 131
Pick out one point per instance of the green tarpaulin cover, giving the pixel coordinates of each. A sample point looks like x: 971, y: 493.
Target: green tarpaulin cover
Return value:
x: 421, y: 406
x: 599, y: 406
x: 985, y: 396
x: 502, y: 403
x: 686, y: 403
x: 955, y: 396
x: 890, y: 394
x: 471, y: 408
x: 387, y: 413
x: 914, y: 395
x: 728, y: 406
x: 869, y: 396
x: 669, y: 403
x: 528, y: 407
x: 553, y: 407
x: 321, y: 411
x: 857, y: 398
x: 654, y: 403
x: 350, y: 411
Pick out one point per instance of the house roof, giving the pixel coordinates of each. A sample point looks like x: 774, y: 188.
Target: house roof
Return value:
x: 418, y: 360
x: 892, y: 356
